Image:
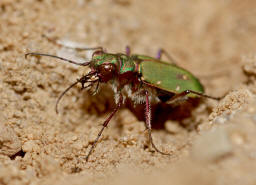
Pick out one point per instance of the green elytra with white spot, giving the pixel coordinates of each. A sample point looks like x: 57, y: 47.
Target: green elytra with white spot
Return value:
x: 159, y: 74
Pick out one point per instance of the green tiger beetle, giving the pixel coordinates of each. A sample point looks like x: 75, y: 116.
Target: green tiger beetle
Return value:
x: 141, y: 78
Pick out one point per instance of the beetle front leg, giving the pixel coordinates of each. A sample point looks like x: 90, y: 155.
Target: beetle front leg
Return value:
x: 161, y: 52
x: 148, y: 124
x: 104, y: 126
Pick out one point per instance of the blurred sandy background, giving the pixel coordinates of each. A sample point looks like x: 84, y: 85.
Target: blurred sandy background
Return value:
x: 214, y: 144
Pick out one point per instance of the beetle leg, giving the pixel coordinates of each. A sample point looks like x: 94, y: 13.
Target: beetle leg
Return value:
x: 148, y: 124
x: 161, y: 52
x: 104, y: 126
x: 128, y: 50
x: 204, y: 95
x: 186, y: 92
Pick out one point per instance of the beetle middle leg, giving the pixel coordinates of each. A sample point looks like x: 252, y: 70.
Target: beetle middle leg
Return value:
x: 148, y: 124
x: 160, y: 54
x: 104, y: 126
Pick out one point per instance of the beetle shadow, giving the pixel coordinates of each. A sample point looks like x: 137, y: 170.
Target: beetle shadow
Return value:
x: 162, y: 112
x: 103, y: 103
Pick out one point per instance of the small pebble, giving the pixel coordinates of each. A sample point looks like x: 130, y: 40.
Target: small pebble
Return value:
x: 10, y: 142
x: 237, y: 138
x: 30, y: 146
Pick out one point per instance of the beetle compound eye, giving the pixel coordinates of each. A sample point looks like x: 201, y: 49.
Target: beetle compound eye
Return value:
x: 106, y: 69
x: 106, y: 72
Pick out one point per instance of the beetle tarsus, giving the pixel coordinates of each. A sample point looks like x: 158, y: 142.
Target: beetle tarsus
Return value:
x: 186, y: 92
x: 201, y: 94
x: 153, y: 144
x: 148, y: 125
x: 105, y: 124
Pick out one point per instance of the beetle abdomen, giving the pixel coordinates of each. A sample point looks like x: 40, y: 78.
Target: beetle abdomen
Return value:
x: 169, y: 77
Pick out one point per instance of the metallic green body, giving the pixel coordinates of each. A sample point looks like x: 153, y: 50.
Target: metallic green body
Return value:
x: 124, y: 62
x: 168, y: 77
x: 154, y: 72
x: 104, y: 58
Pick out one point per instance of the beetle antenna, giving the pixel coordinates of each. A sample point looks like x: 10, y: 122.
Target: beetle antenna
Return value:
x: 65, y: 91
x: 82, y: 80
x: 62, y: 94
x: 61, y: 58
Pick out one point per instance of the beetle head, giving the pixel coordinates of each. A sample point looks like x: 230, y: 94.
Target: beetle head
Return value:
x: 105, y: 65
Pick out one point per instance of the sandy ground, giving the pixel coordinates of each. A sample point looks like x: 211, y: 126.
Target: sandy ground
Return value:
x: 211, y: 142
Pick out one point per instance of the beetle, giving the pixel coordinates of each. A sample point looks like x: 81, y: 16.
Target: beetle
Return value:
x: 141, y: 78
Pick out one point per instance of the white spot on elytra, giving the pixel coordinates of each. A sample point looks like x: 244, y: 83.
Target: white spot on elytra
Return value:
x: 185, y: 77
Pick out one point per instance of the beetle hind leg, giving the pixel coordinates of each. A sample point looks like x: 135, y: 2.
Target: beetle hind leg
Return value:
x: 160, y: 54
x: 148, y: 125
x: 186, y: 92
